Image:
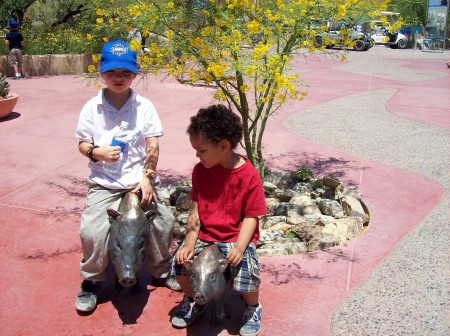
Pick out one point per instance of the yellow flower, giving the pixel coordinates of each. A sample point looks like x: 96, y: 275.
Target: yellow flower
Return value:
x: 341, y: 12
x: 91, y: 68
x: 254, y: 27
x: 89, y: 37
x: 99, y: 21
x: 170, y: 34
x: 135, y: 45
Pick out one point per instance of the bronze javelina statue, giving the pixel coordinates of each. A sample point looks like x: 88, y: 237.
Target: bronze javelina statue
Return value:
x: 209, y: 280
x: 127, y: 244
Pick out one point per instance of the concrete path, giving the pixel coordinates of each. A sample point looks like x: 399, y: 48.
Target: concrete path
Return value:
x: 380, y: 120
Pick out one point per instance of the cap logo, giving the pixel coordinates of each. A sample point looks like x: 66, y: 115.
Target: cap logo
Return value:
x: 119, y: 49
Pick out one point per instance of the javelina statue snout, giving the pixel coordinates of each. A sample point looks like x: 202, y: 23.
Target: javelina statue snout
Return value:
x: 130, y: 227
x: 209, y: 281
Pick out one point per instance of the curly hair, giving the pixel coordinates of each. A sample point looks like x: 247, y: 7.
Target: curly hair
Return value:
x: 216, y: 123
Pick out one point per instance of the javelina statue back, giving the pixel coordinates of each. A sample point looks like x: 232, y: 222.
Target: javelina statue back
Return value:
x: 128, y: 236
x: 209, y: 281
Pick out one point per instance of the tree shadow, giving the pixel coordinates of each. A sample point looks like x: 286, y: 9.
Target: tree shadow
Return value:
x: 44, y: 256
x: 282, y: 274
x: 319, y: 165
x: 169, y: 176
x: 334, y: 254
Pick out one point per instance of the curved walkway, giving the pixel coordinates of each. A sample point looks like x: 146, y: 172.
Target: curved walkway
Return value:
x: 408, y: 293
x: 386, y: 134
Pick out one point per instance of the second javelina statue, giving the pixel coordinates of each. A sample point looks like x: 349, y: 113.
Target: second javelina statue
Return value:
x: 130, y: 227
x: 209, y: 281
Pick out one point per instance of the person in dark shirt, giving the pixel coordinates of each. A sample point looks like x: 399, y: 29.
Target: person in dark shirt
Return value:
x: 14, y: 40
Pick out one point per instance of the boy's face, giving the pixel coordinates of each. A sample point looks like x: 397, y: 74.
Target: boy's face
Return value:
x: 118, y: 80
x: 210, y: 154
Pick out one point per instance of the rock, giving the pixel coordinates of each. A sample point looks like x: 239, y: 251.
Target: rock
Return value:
x: 301, y: 201
x: 183, y: 202
x: 353, y: 208
x: 272, y: 204
x: 293, y: 217
x: 268, y: 221
x: 281, y: 226
x: 331, y: 208
x: 284, y: 195
x: 283, y: 208
x: 331, y: 181
x: 348, y: 228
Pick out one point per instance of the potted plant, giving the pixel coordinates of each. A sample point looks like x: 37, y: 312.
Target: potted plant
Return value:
x: 8, y: 100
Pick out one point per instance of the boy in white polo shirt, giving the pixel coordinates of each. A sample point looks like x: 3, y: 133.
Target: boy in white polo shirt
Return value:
x: 99, y: 120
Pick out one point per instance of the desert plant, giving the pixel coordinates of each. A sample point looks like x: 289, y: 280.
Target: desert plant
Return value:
x: 4, y: 87
x: 305, y: 174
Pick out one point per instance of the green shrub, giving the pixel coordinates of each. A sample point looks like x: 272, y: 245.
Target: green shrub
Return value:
x: 58, y: 40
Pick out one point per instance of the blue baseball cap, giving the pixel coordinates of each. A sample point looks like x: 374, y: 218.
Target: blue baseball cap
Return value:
x: 118, y: 55
x: 13, y: 23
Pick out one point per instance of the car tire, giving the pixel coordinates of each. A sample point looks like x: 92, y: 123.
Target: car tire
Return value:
x: 318, y: 41
x: 402, y: 44
x: 360, y: 45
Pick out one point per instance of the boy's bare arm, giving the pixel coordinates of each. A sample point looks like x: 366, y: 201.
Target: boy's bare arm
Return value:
x: 192, y: 230
x: 105, y: 153
x: 236, y: 254
x: 151, y: 161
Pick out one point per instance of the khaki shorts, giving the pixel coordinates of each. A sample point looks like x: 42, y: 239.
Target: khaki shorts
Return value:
x: 15, y: 57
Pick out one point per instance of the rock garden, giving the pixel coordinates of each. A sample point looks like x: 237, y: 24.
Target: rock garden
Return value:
x: 305, y: 213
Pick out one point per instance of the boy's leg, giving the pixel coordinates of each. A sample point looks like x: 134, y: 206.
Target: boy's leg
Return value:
x: 94, y: 234
x: 251, y: 321
x: 158, y: 244
x: 14, y: 56
x: 20, y: 62
x: 246, y: 280
x: 187, y: 310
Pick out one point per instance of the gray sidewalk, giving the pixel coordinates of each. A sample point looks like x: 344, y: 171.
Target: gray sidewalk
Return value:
x: 408, y: 294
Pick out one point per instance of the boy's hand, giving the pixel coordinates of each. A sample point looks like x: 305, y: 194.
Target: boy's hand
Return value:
x: 146, y: 188
x: 235, y: 256
x: 112, y: 153
x: 108, y: 153
x: 184, y: 254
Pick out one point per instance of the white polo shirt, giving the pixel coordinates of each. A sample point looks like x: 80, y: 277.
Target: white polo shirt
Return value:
x: 99, y: 121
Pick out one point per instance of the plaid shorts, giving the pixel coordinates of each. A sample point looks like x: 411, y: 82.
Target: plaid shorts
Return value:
x: 245, y: 276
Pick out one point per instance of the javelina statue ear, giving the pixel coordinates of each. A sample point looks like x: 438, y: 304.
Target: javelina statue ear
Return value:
x: 113, y: 214
x: 188, y: 264
x: 151, y: 215
x: 223, y: 265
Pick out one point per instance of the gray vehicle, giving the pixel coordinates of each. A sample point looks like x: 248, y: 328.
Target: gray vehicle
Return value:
x: 339, y: 34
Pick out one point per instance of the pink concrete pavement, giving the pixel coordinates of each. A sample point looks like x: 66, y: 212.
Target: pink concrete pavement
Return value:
x: 42, y: 195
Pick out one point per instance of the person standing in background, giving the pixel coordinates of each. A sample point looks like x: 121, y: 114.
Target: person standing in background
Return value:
x: 14, y: 40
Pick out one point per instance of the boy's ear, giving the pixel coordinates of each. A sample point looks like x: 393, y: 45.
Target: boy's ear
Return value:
x: 224, y: 144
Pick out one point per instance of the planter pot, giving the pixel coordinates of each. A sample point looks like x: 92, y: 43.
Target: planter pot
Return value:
x: 7, y: 105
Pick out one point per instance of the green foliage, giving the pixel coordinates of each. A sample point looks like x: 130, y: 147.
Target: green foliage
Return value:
x: 43, y: 40
x: 4, y: 86
x: 305, y: 174
x: 291, y: 234
x: 413, y: 12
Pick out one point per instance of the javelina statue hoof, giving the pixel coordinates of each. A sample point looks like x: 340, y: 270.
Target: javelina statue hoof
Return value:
x: 209, y: 280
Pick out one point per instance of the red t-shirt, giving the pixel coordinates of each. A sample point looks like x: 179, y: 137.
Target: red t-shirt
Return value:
x: 225, y: 197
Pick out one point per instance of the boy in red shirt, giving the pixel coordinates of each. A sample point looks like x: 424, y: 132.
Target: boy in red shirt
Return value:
x: 227, y: 199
